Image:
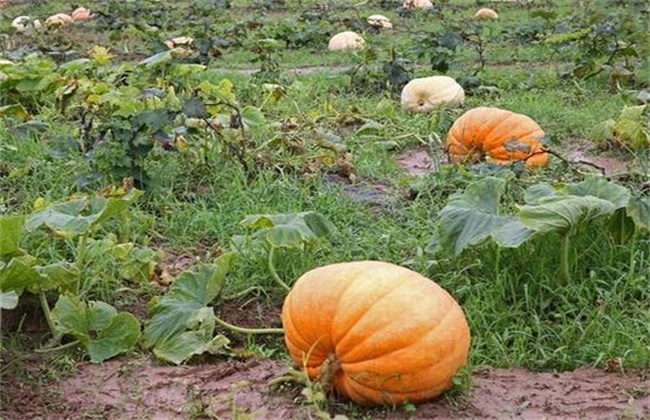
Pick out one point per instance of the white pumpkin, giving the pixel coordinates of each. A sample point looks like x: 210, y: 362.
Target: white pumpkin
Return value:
x: 179, y: 41
x: 81, y: 13
x: 347, y: 40
x: 486, y: 13
x: 59, y: 19
x: 20, y: 23
x: 428, y: 93
x: 379, y: 21
x: 417, y: 4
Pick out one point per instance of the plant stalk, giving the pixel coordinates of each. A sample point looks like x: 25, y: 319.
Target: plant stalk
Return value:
x: 244, y: 330
x: 274, y: 272
x: 564, y: 260
x: 47, y: 313
x: 81, y: 255
x: 57, y: 348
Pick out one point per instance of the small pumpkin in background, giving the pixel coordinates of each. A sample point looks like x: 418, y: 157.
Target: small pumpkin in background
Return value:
x: 428, y: 93
x: 59, y: 19
x: 179, y: 41
x: 486, y: 13
x: 346, y: 40
x: 379, y: 21
x: 377, y: 333
x: 81, y: 13
x: 498, y: 136
x: 417, y: 4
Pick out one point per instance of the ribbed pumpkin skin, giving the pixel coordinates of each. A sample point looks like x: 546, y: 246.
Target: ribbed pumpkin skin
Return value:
x: 498, y: 135
x: 397, y: 335
x: 428, y: 93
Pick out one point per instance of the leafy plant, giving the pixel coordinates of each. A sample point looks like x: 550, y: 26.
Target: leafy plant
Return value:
x: 473, y: 216
x: 97, y: 326
x: 286, y: 231
x: 629, y: 129
x: 182, y: 324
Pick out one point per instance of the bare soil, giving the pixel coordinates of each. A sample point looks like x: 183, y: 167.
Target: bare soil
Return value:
x: 137, y: 387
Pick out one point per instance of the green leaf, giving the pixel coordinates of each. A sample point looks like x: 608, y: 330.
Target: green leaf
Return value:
x: 292, y: 230
x: 252, y: 117
x: 183, y: 346
x: 11, y: 229
x: 78, y: 217
x: 600, y: 188
x: 185, y: 307
x: 156, y: 59
x: 120, y: 335
x: 98, y: 326
x: 603, y: 131
x: 470, y: 217
x: 8, y: 300
x: 512, y: 234
x: 538, y: 193
x: 196, y: 341
x: 19, y: 274
x: 639, y: 210
x: 70, y: 316
x: 564, y: 214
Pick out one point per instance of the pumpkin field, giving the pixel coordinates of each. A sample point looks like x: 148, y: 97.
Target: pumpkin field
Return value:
x: 304, y: 209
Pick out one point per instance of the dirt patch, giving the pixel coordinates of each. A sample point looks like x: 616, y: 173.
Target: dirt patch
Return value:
x: 226, y: 389
x: 584, y: 151
x: 416, y: 162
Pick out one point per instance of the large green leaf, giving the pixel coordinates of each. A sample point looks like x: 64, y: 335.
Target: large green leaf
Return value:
x: 19, y: 274
x: 77, y: 217
x: 599, y: 187
x: 119, y: 335
x: 639, y: 210
x: 292, y: 230
x: 184, y: 308
x: 98, y: 326
x: 11, y: 229
x: 565, y: 214
x: 197, y: 340
x: 470, y: 217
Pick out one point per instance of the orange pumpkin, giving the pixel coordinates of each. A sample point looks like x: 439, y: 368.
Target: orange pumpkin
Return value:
x: 376, y: 332
x: 497, y: 135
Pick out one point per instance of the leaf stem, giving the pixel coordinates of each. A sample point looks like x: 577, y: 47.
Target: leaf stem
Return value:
x: 57, y: 348
x: 81, y: 255
x: 274, y: 272
x: 244, y: 330
x: 47, y: 312
x: 243, y: 293
x: 564, y: 260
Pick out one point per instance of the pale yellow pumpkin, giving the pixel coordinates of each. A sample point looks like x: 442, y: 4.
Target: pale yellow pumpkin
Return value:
x: 81, y: 13
x: 380, y: 21
x: 486, y: 13
x: 59, y: 19
x: 347, y: 40
x: 417, y: 4
x: 428, y: 93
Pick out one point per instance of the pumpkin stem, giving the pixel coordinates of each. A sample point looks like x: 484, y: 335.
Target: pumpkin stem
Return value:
x: 328, y: 371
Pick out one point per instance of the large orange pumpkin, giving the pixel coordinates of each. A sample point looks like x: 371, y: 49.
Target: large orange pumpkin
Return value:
x: 498, y: 136
x: 376, y: 332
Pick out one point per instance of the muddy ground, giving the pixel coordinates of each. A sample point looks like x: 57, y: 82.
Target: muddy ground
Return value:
x: 140, y: 388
